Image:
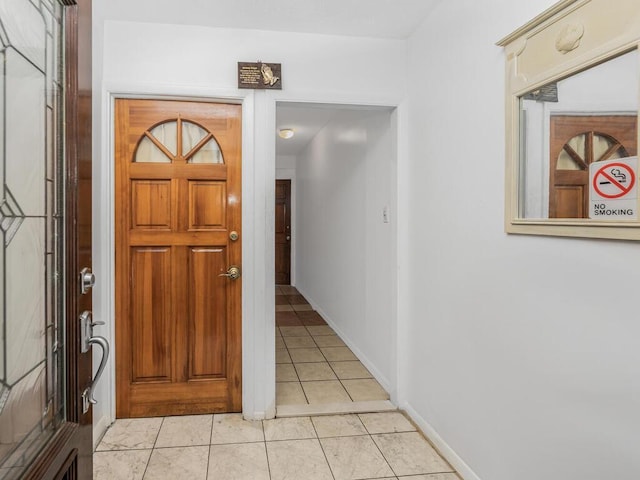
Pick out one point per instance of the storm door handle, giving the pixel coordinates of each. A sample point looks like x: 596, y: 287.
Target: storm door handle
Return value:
x: 104, y: 344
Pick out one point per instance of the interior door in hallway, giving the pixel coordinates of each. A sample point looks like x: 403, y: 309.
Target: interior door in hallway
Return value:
x: 178, y: 237
x: 283, y: 232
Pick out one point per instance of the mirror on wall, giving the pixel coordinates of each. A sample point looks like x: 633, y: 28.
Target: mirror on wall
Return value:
x: 578, y: 145
x: 572, y: 94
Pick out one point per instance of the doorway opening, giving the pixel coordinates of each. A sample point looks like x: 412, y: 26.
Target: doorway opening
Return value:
x: 335, y: 317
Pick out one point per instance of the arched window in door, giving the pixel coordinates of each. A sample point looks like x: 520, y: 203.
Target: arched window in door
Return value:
x: 178, y: 140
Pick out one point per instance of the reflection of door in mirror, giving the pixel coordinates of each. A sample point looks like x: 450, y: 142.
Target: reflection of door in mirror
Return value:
x: 576, y: 142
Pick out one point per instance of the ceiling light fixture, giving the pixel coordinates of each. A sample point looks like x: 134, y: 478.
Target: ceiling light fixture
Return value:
x: 286, y: 132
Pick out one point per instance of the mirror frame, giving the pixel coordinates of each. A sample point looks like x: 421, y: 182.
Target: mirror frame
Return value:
x: 569, y: 37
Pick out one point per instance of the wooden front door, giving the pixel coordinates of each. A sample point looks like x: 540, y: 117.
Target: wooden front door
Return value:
x: 178, y: 231
x: 283, y: 232
x: 576, y: 142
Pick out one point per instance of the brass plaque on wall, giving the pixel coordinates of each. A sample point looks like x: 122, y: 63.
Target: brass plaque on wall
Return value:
x: 259, y: 75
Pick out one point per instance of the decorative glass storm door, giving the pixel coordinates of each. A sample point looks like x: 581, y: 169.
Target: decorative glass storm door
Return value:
x: 31, y: 207
x: 42, y: 433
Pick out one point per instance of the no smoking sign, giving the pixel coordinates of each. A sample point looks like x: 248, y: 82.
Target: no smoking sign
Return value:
x: 613, y: 189
x: 616, y: 180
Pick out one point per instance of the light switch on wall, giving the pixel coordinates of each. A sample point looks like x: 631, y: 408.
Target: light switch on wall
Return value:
x: 385, y: 214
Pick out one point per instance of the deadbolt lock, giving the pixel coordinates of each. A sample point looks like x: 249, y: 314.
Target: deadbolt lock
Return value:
x: 233, y: 236
x: 87, y: 280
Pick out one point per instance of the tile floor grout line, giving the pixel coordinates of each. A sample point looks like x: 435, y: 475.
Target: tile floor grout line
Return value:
x: 380, y: 450
x: 208, y: 460
x: 237, y: 443
x: 168, y: 448
x: 264, y: 444
x: 155, y: 442
x: 266, y: 452
x: 322, y: 448
x: 280, y: 440
x: 304, y: 393
x: 299, y: 381
x: 345, y: 389
x: 213, y: 416
x: 336, y: 374
x: 297, y: 375
x: 325, y: 380
x: 343, y: 385
x: 146, y: 467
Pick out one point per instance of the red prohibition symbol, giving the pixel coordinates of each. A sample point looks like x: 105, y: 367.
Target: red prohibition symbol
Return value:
x: 614, y: 180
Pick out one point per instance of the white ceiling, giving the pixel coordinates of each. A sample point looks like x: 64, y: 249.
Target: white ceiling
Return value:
x: 361, y: 18
x: 306, y: 120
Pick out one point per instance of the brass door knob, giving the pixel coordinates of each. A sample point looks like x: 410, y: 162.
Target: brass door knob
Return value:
x: 233, y: 273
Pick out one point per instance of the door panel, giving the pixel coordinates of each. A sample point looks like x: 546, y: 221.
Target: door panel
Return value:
x: 178, y: 325
x: 207, y: 205
x: 151, y: 313
x: 569, y: 201
x: 151, y: 204
x: 283, y: 232
x: 207, y: 300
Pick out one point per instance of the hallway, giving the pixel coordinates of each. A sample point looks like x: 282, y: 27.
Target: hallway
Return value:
x: 383, y: 446
x: 316, y: 373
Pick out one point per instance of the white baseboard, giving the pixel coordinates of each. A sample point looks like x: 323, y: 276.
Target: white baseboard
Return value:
x: 261, y: 415
x: 380, y: 378
x: 99, y: 429
x: 443, y: 447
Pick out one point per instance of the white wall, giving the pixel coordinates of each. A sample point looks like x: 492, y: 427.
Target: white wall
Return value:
x: 520, y: 354
x: 140, y: 59
x: 345, y: 253
x: 178, y: 55
x: 285, y: 163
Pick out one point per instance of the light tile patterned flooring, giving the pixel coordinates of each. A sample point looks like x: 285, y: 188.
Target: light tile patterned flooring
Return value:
x: 382, y: 446
x: 313, y: 365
